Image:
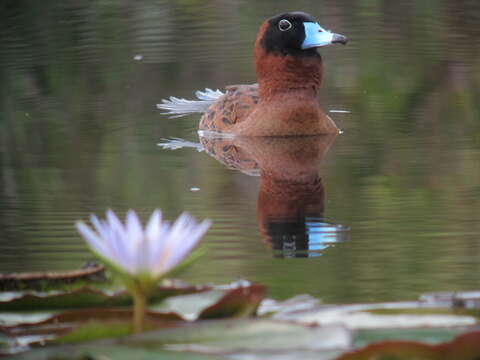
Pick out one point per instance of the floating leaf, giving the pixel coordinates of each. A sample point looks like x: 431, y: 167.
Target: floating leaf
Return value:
x: 238, y: 299
x: 237, y: 302
x: 5, y: 343
x: 114, y: 327
x: 463, y: 347
x: 367, y: 316
x: 297, y: 303
x: 466, y: 299
x: 425, y: 335
x: 80, y: 298
x: 234, y: 300
x: 257, y: 339
x: 85, y: 297
x: 96, y: 351
x: 62, y: 323
x: 258, y: 335
x: 190, y: 306
x: 42, y: 281
x: 300, y: 328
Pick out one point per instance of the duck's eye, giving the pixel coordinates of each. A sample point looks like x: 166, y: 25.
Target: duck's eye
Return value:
x: 284, y: 25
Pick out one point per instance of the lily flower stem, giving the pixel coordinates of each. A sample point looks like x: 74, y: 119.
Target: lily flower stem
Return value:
x: 139, y: 311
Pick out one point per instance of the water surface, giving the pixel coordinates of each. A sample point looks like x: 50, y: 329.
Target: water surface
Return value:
x: 79, y: 132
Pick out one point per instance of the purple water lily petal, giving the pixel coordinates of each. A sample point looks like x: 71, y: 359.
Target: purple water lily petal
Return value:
x: 157, y: 246
x: 133, y: 225
x: 95, y: 242
x: 112, y: 247
x: 171, y: 243
x: 191, y: 235
x: 113, y: 220
x: 154, y: 224
x: 156, y: 249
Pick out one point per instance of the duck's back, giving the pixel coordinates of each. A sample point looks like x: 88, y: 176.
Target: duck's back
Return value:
x: 230, y: 109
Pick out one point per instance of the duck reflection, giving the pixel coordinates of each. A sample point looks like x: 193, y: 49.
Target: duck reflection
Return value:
x: 291, y: 199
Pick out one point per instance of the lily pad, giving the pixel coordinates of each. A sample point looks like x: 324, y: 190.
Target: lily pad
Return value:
x: 439, y: 310
x: 465, y: 300
x: 301, y: 327
x: 43, y: 281
x: 232, y: 336
x: 375, y: 316
x: 96, y: 351
x: 425, y: 335
x: 266, y: 339
x: 84, y: 297
x: 64, y: 322
x: 297, y: 303
x: 242, y: 300
x: 463, y: 347
x: 235, y: 300
x: 238, y: 299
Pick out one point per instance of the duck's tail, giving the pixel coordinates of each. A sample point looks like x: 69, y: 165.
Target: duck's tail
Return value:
x: 177, y: 107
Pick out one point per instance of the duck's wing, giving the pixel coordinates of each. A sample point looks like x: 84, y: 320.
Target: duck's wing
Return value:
x: 231, y: 108
x: 177, y: 107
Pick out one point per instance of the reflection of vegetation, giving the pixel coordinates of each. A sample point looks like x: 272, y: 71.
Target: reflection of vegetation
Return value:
x: 78, y: 131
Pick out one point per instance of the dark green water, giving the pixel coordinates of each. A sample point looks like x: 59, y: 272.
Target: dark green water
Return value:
x: 79, y: 132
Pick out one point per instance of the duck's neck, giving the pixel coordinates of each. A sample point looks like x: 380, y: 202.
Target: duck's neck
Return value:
x: 279, y: 73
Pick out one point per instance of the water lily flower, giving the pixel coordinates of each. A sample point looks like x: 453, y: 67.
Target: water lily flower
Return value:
x: 141, y: 255
x: 154, y: 250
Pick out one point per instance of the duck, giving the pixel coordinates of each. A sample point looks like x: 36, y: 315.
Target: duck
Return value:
x: 284, y: 101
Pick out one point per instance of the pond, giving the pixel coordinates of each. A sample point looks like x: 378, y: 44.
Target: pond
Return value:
x: 396, y: 211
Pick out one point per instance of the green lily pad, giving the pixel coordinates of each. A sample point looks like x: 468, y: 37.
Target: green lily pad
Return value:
x: 265, y: 339
x: 232, y: 301
x: 45, y: 281
x: 85, y: 297
x: 424, y: 335
x: 463, y: 347
x: 80, y: 298
x: 242, y: 300
x: 5, y: 342
x: 63, y: 323
x: 257, y: 335
x: 96, y: 351
x: 81, y: 325
x: 385, y: 316
x: 301, y: 327
x: 255, y: 338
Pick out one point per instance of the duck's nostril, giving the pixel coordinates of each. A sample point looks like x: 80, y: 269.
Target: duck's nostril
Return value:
x: 339, y: 39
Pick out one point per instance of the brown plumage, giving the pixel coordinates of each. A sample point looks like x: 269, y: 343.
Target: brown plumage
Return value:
x: 284, y: 102
x: 291, y: 188
x: 231, y: 108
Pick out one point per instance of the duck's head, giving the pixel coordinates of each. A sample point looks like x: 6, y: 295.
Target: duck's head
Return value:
x: 286, y: 55
x: 295, y: 33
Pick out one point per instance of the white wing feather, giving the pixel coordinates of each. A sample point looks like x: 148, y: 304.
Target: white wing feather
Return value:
x: 177, y: 107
